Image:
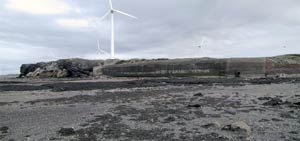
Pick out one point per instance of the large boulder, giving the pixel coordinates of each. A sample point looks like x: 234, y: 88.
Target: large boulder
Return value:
x: 61, y: 68
x: 42, y: 73
x: 27, y: 68
x: 240, y: 127
x: 97, y: 71
x: 62, y: 73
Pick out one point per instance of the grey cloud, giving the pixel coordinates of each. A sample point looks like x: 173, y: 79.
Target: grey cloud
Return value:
x: 168, y: 28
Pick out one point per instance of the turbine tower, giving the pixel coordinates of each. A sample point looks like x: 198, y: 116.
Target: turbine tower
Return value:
x: 111, y: 12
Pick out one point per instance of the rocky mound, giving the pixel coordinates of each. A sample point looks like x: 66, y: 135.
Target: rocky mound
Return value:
x: 72, y: 67
x: 286, y: 59
x: 60, y: 68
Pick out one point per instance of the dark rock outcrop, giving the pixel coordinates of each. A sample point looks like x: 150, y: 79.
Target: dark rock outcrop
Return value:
x: 274, y: 102
x: 61, y: 68
x: 66, y: 131
x: 4, y: 129
x: 27, y: 68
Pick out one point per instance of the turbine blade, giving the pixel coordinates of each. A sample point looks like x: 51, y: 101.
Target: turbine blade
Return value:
x: 98, y: 43
x: 110, y: 4
x: 126, y: 14
x: 103, y: 17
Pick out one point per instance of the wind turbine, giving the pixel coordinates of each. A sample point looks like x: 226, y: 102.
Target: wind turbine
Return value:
x: 202, y: 45
x: 111, y: 11
x: 285, y: 44
x: 99, y: 50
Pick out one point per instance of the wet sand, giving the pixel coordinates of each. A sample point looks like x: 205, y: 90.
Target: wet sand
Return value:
x: 150, y: 109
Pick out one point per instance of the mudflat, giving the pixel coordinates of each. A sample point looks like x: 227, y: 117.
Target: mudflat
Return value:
x: 186, y: 108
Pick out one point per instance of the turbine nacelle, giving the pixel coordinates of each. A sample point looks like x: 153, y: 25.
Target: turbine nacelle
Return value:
x: 112, y: 11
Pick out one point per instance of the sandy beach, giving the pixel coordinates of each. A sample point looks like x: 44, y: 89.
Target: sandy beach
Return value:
x: 150, y: 109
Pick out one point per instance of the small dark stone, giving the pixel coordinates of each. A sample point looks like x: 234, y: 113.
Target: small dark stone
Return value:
x: 198, y: 94
x: 286, y: 115
x: 276, y: 119
x: 212, y: 125
x: 4, y: 129
x: 194, y: 106
x: 53, y: 138
x: 263, y: 120
x: 169, y: 119
x: 184, y: 136
x: 84, y: 124
x: 237, y: 74
x: 211, y: 137
x: 2, y: 137
x: 181, y: 123
x: 294, y: 132
x: 274, y: 102
x: 295, y: 139
x: 282, y: 136
x: 66, y: 131
x: 264, y: 98
x: 183, y: 129
x: 199, y: 114
x: 230, y: 112
x: 295, y: 105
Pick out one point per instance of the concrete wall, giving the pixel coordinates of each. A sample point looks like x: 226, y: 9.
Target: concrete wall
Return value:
x: 177, y: 67
x: 190, y: 67
x: 245, y: 67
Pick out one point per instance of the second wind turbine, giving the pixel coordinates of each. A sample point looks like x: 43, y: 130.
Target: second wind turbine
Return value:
x: 111, y: 12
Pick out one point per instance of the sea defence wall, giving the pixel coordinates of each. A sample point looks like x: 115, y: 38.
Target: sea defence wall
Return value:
x: 287, y: 65
x: 175, y: 67
x: 246, y: 67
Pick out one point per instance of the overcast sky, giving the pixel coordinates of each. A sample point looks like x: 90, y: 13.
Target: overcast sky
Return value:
x: 42, y: 30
